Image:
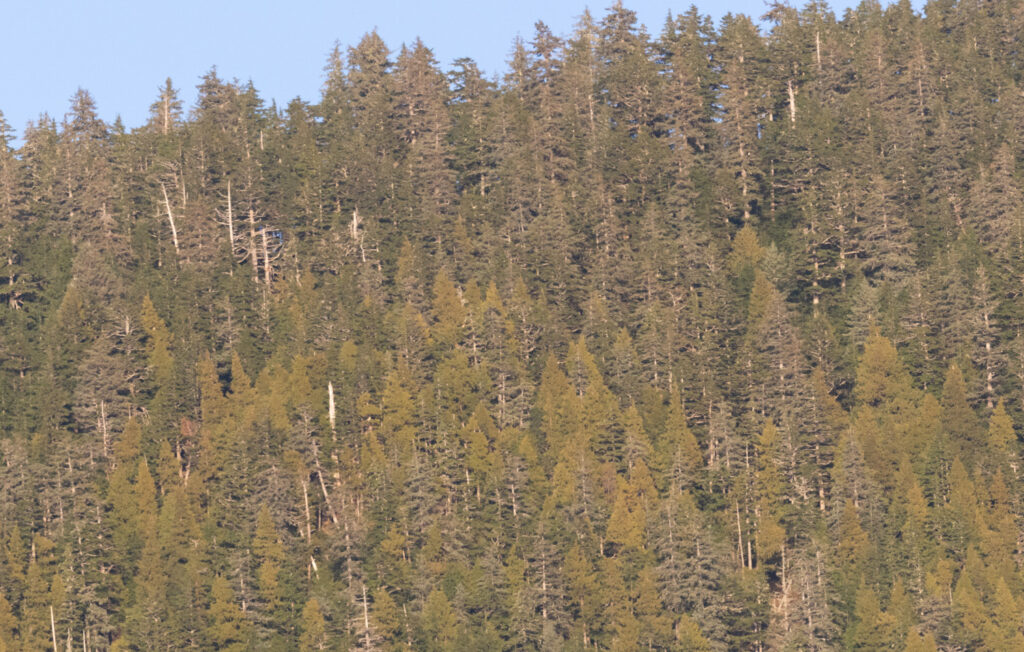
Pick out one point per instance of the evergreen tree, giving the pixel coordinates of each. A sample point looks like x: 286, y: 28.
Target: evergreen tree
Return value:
x: 704, y: 340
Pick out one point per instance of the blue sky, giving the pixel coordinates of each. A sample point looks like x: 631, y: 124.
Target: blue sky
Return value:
x: 122, y: 50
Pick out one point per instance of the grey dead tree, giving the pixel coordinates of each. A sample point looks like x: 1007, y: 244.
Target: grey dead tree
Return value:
x: 251, y: 240
x: 169, y: 176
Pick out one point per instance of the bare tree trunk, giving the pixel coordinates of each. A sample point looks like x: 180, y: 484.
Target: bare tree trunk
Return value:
x: 103, y: 429
x: 323, y: 486
x: 53, y: 629
x: 252, y: 247
x: 366, y: 621
x: 792, y: 101
x: 739, y: 536
x: 357, y: 236
x: 305, y: 502
x: 231, y: 231
x: 330, y: 410
x: 743, y: 176
x: 785, y: 591
x: 266, y: 257
x: 544, y: 588
x: 170, y: 219
x: 817, y: 49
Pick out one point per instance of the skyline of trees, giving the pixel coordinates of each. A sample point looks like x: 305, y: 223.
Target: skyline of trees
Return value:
x: 701, y: 340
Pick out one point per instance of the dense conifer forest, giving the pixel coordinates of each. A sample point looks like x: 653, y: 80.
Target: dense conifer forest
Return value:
x: 703, y: 339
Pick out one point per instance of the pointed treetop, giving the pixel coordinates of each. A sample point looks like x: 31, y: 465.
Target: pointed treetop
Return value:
x: 746, y: 250
x: 1002, y: 439
x: 881, y: 375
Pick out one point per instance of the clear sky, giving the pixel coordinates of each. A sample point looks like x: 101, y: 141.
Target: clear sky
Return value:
x: 121, y: 51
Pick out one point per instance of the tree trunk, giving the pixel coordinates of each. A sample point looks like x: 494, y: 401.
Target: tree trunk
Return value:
x: 170, y: 219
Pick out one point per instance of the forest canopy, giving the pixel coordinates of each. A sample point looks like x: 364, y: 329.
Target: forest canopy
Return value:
x: 708, y: 339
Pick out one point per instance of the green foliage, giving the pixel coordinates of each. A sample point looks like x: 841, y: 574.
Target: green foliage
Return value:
x: 227, y: 628
x: 704, y: 340
x: 313, y: 627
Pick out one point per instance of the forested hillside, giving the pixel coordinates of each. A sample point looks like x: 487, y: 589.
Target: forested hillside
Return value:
x: 704, y: 339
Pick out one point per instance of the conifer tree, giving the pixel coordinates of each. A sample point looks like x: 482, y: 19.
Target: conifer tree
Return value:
x: 313, y: 627
x: 703, y: 339
x: 227, y: 628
